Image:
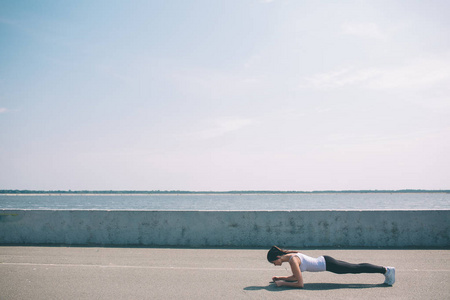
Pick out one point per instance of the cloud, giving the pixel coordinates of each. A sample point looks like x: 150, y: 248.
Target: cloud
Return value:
x: 339, y: 78
x: 254, y: 59
x: 3, y: 110
x: 421, y: 73
x: 365, y: 30
x: 222, y: 126
x: 386, y: 143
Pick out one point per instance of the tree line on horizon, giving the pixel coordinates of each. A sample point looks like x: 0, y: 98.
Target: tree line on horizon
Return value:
x: 213, y: 192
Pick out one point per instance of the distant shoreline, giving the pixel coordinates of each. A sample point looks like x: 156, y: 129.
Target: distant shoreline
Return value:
x: 158, y: 192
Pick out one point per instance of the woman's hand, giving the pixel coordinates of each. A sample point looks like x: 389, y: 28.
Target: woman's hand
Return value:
x: 279, y: 283
x: 295, y: 280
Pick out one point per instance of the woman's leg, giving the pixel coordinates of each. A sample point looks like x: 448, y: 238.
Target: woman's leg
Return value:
x: 342, y: 267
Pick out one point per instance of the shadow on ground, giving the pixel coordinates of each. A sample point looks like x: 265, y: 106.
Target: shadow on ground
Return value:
x: 318, y: 286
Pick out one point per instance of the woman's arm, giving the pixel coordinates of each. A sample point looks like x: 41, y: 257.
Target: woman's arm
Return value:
x: 288, y: 278
x: 296, y: 275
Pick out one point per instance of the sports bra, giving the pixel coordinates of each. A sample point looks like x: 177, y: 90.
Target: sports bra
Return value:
x: 311, y: 264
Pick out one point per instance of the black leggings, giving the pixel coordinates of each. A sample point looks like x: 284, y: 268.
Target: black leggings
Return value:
x: 342, y: 267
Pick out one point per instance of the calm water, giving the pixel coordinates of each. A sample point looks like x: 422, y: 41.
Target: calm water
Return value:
x: 358, y: 201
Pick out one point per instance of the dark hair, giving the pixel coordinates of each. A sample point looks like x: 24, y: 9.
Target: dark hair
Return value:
x: 275, y: 251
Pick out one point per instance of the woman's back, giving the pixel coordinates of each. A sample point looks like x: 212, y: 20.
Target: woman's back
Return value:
x: 311, y: 264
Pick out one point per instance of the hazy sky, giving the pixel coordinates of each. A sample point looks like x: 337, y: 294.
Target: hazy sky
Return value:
x: 224, y: 95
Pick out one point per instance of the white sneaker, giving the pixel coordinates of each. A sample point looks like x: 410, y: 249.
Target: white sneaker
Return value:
x: 389, y: 275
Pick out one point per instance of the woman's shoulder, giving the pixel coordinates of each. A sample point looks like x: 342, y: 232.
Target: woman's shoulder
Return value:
x: 295, y: 257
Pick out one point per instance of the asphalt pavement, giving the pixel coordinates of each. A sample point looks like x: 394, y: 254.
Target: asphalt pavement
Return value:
x: 158, y: 273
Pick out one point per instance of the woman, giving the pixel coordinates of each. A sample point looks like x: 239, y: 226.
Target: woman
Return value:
x: 300, y: 263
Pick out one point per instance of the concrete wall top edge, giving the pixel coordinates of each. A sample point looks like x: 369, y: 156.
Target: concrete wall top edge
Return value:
x: 242, y: 211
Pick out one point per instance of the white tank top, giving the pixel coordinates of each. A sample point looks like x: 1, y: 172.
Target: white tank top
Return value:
x: 311, y: 264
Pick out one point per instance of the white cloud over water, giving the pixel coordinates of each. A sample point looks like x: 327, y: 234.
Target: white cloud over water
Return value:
x: 417, y: 74
x: 365, y: 30
x: 218, y: 127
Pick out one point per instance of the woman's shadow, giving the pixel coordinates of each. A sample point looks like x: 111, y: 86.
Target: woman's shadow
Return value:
x: 318, y: 286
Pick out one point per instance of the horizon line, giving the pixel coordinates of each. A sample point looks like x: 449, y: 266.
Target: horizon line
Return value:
x: 19, y: 191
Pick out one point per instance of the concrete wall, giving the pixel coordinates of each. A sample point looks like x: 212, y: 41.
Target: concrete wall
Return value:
x: 428, y: 228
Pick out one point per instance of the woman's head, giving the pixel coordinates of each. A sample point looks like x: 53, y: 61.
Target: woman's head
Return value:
x: 275, y: 253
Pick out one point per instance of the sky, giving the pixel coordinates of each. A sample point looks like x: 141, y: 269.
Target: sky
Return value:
x: 224, y: 95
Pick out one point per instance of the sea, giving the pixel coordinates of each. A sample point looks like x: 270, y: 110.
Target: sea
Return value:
x: 229, y: 202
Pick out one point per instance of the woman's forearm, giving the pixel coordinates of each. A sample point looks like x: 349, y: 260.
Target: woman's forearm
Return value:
x: 295, y: 284
x: 288, y: 278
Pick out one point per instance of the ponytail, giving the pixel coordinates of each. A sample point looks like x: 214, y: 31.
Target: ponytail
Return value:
x: 275, y: 251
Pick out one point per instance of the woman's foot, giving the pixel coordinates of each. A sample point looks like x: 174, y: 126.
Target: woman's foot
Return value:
x: 389, y: 276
